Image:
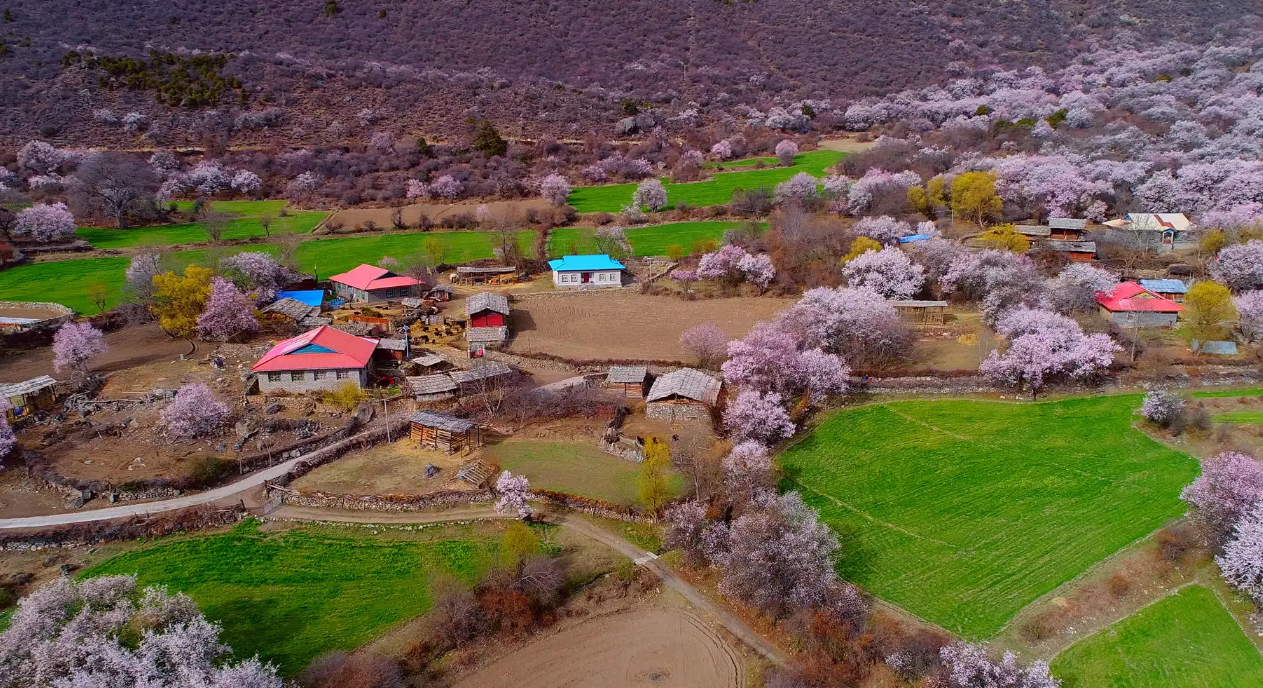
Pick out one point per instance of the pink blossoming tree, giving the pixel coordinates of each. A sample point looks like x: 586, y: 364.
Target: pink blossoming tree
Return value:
x: 857, y: 324
x: 650, y: 194
x: 555, y: 189
x: 1242, y: 559
x: 1249, y: 307
x: 785, y: 152
x: 75, y: 344
x: 889, y: 272
x: 195, y: 412
x: 884, y: 229
x: 513, y: 491
x: 44, y: 222
x: 757, y: 269
x: 758, y: 417
x: 1230, y: 484
x: 138, y: 278
x: 1044, y: 346
x: 227, y: 314
x: 707, y: 343
x: 968, y: 666
x: 1240, y: 266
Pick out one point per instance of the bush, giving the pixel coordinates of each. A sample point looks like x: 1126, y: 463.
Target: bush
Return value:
x: 346, y: 397
x: 1163, y: 408
x: 1175, y: 542
x: 206, y: 470
x: 1119, y: 585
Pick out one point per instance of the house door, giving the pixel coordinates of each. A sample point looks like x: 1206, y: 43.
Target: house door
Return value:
x: 587, y: 277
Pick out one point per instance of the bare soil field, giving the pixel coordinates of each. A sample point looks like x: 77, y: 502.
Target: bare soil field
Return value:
x: 354, y: 217
x: 628, y: 326
x: 846, y: 144
x: 35, y: 313
x: 128, y: 348
x: 397, y: 468
x: 658, y: 647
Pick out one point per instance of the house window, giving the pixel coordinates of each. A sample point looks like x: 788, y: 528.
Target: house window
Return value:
x: 321, y: 375
x: 296, y: 376
x: 274, y: 377
x: 600, y: 277
x: 344, y: 374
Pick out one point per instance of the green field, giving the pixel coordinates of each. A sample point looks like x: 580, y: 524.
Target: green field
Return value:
x: 1229, y: 393
x: 572, y: 467
x: 331, y: 256
x: 239, y: 228
x: 293, y: 595
x: 247, y: 208
x: 1244, y: 417
x: 963, y: 512
x: 718, y: 190
x: 746, y: 162
x: 645, y: 241
x: 1187, y: 640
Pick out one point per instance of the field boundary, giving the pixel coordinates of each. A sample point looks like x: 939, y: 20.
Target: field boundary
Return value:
x: 869, y: 517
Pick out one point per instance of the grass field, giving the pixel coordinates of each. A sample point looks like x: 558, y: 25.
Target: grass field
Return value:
x: 1245, y: 417
x: 718, y: 190
x: 645, y: 241
x: 293, y: 595
x: 572, y: 467
x: 239, y: 228
x: 1229, y: 393
x: 247, y: 208
x: 1187, y: 640
x: 745, y: 162
x: 963, y: 511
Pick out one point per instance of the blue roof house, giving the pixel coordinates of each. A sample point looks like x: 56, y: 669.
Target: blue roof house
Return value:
x: 586, y: 272
x: 308, y: 297
x: 1172, y: 289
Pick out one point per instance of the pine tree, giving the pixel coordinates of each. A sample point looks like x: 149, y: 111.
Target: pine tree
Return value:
x: 488, y: 140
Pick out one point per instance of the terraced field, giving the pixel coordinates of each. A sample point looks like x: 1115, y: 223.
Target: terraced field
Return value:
x: 194, y: 232
x: 645, y: 241
x: 963, y: 511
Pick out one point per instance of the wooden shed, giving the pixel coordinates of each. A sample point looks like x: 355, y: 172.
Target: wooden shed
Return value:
x: 628, y: 380
x: 1067, y: 228
x: 25, y: 398
x: 922, y: 312
x: 443, y: 432
x: 431, y: 388
x: 477, y: 276
x: 684, y: 394
x: 483, y: 377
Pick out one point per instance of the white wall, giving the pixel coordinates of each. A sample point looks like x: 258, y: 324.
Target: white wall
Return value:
x: 599, y: 278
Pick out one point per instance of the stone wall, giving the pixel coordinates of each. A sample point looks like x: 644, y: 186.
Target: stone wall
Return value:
x: 87, y: 534
x: 388, y: 503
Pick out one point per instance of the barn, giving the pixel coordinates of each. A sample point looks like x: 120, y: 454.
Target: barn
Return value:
x: 370, y: 283
x: 684, y: 394
x: 488, y: 316
x: 922, y: 312
x: 445, y: 433
x: 1131, y: 305
x: 25, y: 398
x: 629, y: 381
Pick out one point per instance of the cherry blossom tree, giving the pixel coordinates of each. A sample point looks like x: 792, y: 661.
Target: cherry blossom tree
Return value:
x: 687, y: 529
x: 513, y: 491
x: 747, y: 470
x: 757, y: 269
x: 1249, y: 307
x: 723, y: 265
x: 770, y: 359
x: 1230, y: 484
x: 706, y: 342
x: 968, y: 666
x: 39, y: 157
x: 45, y: 222
x: 777, y: 556
x: 858, y: 324
x: 1162, y: 407
x: 208, y: 178
x: 227, y: 313
x: 1242, y: 559
x: 1044, y: 346
x: 722, y: 150
x: 758, y: 417
x: 555, y: 188
x: 884, y: 229
x: 107, y: 633
x: 888, y: 272
x: 138, y: 277
x: 246, y: 182
x: 800, y: 189
x: 446, y: 186
x: 869, y: 191
x: 415, y: 189
x: 195, y: 412
x: 259, y: 271
x: 75, y: 344
x: 303, y: 185
x: 1074, y: 289
x: 650, y: 194
x: 785, y: 152
x: 685, y: 278
x: 1240, y: 266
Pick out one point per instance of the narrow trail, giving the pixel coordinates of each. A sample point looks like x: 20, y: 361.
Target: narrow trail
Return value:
x: 869, y: 517
x: 925, y: 424
x: 647, y: 560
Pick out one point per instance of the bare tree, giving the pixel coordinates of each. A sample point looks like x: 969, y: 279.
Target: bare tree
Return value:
x: 215, y: 222
x: 266, y: 223
x: 114, y: 183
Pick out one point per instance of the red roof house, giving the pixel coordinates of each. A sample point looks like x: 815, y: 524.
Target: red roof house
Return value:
x: 1131, y: 305
x: 320, y: 359
x: 371, y: 283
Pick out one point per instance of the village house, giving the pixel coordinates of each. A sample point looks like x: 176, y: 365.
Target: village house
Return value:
x: 1075, y: 251
x: 628, y: 380
x: 444, y: 433
x: 1158, y: 231
x: 684, y: 394
x: 488, y: 318
x: 483, y: 377
x: 1172, y: 289
x: 922, y: 312
x: 1131, y: 305
x: 586, y: 272
x: 319, y: 360
x: 1066, y: 228
x: 431, y: 388
x: 370, y: 283
x: 30, y: 396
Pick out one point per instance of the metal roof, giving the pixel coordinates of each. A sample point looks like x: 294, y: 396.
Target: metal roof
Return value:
x: 1067, y: 223
x: 311, y: 297
x: 292, y: 308
x: 1214, y: 348
x: 627, y: 374
x: 588, y: 262
x: 1164, y: 286
x: 687, y: 383
x: 1071, y: 246
x: 1033, y: 230
x: 371, y: 277
x: 483, y: 371
x: 487, y: 334
x: 442, y: 421
x: 393, y: 344
x: 487, y: 301
x: 430, y: 384
x: 463, y: 270
x: 35, y: 384
x: 428, y: 360
x: 323, y: 348
x: 1131, y: 297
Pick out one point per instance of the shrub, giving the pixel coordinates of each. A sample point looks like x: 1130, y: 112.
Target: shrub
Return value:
x: 1162, y: 407
x: 346, y: 397
x: 206, y: 470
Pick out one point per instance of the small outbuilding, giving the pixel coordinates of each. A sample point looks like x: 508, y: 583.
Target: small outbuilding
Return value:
x: 29, y: 396
x: 1172, y: 289
x: 628, y: 380
x: 445, y: 433
x: 1076, y: 251
x: 478, y: 276
x: 922, y: 312
x: 1066, y: 228
x: 484, y: 376
x: 1131, y: 305
x: 684, y: 394
x: 431, y: 388
x: 488, y: 317
x: 369, y: 283
x: 586, y: 272
x: 1034, y: 231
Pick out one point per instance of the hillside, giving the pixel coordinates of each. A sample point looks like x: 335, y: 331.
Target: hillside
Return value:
x: 537, y: 68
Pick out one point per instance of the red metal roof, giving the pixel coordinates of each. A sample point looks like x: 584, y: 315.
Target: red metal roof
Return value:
x: 1129, y: 297
x: 323, y: 348
x: 370, y: 277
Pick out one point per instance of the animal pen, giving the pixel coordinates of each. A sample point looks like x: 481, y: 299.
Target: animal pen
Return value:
x: 445, y: 433
x: 922, y: 312
x: 476, y: 276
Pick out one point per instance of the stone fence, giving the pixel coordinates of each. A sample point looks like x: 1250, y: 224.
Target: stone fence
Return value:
x: 386, y: 503
x: 87, y: 534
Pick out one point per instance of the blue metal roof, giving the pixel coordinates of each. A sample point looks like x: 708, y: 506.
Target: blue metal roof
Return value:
x: 1164, y: 286
x: 312, y: 297
x: 1214, y: 348
x: 590, y: 262
x: 913, y: 237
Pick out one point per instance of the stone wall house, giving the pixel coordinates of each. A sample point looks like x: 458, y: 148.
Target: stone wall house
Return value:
x: 1131, y: 305
x: 684, y: 394
x: 322, y: 359
x: 586, y: 272
x: 369, y: 283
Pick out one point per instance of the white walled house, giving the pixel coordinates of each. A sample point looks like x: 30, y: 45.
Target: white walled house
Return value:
x: 318, y: 360
x: 586, y: 272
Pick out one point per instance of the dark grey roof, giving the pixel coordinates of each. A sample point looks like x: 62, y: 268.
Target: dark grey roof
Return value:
x: 687, y: 383
x: 430, y: 384
x: 487, y: 301
x: 428, y: 360
x: 1067, y: 223
x: 411, y: 302
x: 392, y: 344
x: 627, y: 374
x: 482, y: 371
x: 1071, y: 246
x: 291, y: 308
x: 919, y: 304
x: 441, y: 287
x: 441, y: 421
x: 311, y: 322
x: 497, y: 270
x: 1033, y: 230
x: 487, y: 334
x: 35, y: 384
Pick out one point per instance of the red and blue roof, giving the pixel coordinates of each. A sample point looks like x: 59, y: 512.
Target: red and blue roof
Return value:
x: 323, y: 348
x: 370, y: 278
x: 586, y: 263
x: 1130, y: 297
